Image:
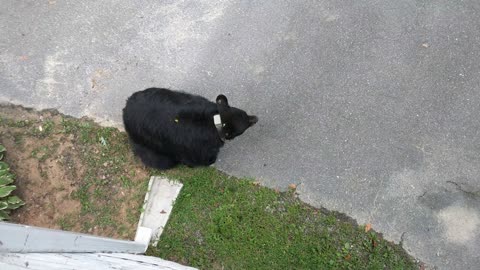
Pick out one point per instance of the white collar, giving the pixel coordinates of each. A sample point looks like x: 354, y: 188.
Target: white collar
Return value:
x: 217, y: 120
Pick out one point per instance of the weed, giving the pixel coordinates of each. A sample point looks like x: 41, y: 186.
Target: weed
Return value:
x: 18, y: 123
x: 18, y: 138
x: 83, y: 195
x: 43, y: 129
x: 68, y: 125
x: 42, y: 153
x: 126, y: 182
x: 66, y: 222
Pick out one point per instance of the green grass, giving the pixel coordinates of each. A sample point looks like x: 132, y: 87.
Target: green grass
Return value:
x: 43, y: 129
x: 66, y: 222
x: 220, y: 222
x: 42, y: 153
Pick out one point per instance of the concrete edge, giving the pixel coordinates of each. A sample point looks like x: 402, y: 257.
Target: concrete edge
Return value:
x: 157, y: 207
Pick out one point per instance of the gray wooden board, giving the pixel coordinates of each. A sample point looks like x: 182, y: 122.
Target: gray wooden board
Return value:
x: 158, y: 206
x: 22, y: 238
x: 85, y: 261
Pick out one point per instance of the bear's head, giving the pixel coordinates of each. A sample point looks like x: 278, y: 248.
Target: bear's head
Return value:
x: 234, y: 120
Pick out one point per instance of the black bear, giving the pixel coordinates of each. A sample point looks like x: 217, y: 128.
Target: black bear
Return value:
x: 168, y: 127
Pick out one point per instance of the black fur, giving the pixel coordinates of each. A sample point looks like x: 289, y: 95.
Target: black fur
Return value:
x: 167, y: 127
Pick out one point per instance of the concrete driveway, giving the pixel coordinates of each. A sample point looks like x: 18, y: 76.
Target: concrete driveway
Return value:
x: 372, y: 107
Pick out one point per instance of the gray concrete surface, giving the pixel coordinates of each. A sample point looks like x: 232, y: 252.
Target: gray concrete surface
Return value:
x: 371, y: 106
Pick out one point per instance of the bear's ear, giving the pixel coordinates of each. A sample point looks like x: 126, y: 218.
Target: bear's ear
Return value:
x: 222, y: 101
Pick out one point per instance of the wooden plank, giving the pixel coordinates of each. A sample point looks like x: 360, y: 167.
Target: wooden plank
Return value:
x: 22, y: 238
x: 85, y: 261
x: 158, y: 206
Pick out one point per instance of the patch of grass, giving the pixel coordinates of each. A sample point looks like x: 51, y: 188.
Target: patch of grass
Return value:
x: 86, y: 134
x: 48, y: 126
x: 123, y: 230
x: 86, y: 225
x: 16, y: 123
x: 82, y: 129
x: 220, y: 222
x: 126, y: 182
x: 66, y: 222
x: 42, y: 129
x: 83, y: 195
x: 105, y: 217
x: 42, y: 153
x: 18, y: 139
x: 68, y: 125
x: 133, y: 215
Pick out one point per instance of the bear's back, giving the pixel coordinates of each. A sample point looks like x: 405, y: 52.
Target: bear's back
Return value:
x: 171, y: 122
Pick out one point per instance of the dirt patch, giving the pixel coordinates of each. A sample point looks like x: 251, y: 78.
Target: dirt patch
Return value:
x: 72, y: 174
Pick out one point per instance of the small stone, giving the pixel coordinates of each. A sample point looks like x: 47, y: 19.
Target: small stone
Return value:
x: 425, y: 45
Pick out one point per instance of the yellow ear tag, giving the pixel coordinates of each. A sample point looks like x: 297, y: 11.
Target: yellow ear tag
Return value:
x: 176, y: 120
